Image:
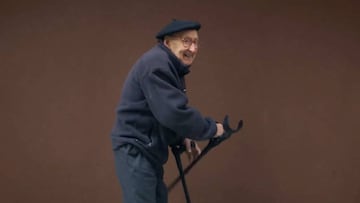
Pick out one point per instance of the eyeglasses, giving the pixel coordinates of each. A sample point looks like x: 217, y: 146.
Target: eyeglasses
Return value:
x: 187, y: 42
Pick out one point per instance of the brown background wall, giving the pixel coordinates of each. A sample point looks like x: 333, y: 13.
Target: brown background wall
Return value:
x: 289, y: 69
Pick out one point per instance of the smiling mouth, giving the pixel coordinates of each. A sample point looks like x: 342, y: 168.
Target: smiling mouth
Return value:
x: 188, y: 55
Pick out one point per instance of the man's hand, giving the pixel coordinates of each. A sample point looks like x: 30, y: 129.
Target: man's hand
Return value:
x: 220, y: 130
x: 192, y: 149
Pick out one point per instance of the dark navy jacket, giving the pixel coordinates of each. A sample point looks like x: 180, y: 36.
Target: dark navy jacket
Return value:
x: 153, y: 112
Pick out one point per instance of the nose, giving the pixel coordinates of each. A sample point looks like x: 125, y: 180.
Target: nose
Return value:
x: 193, y: 47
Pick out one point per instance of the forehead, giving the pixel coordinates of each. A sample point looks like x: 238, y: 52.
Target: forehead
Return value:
x: 193, y: 34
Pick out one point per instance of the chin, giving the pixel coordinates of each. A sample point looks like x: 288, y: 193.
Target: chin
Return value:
x: 187, y: 62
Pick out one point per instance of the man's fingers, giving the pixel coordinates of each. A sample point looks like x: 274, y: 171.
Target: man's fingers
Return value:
x: 192, y: 149
x: 196, y: 151
x: 188, y: 145
x: 188, y: 148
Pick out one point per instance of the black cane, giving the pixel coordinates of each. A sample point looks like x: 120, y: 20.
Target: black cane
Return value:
x: 212, y: 143
x: 177, y: 150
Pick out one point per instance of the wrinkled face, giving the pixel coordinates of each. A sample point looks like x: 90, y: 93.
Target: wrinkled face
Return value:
x: 184, y: 45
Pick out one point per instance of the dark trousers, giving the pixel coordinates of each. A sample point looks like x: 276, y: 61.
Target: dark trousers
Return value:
x: 139, y: 180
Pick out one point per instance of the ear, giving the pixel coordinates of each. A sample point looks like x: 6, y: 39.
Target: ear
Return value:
x: 167, y: 42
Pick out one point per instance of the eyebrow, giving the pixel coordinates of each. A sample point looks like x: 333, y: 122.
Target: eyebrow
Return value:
x: 193, y: 39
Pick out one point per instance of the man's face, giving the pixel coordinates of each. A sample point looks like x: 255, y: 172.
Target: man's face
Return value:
x: 184, y: 45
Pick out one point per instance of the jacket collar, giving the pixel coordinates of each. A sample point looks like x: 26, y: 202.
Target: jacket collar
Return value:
x: 181, y: 68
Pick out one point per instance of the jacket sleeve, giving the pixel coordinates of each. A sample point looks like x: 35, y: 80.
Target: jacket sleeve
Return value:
x: 170, y: 107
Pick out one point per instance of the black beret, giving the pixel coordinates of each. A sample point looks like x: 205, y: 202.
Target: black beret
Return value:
x: 177, y: 26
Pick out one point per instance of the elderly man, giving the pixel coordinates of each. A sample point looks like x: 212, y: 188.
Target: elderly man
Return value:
x: 153, y: 114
